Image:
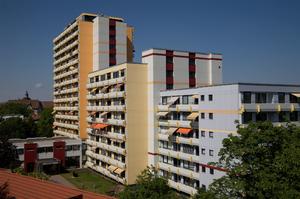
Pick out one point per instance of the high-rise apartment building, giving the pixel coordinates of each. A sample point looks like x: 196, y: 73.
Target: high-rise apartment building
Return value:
x: 89, y: 42
x: 171, y: 69
x: 117, y: 121
x: 193, y: 123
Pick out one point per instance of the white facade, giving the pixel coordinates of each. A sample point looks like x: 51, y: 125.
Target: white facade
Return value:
x: 208, y: 71
x: 184, y: 157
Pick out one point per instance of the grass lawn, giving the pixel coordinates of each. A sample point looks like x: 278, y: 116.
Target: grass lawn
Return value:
x: 90, y: 181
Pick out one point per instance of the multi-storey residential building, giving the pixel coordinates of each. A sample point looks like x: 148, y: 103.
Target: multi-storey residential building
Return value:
x: 39, y: 152
x: 170, y: 69
x: 117, y: 130
x: 89, y: 42
x: 193, y: 122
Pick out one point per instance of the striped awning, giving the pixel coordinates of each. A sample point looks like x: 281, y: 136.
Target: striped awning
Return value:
x: 162, y: 113
x: 193, y: 116
x: 103, y: 113
x: 296, y: 94
x: 119, y: 171
x: 172, y: 100
x: 195, y: 96
x: 112, y: 168
x: 103, y: 90
x: 171, y: 131
x: 99, y: 126
x: 184, y: 130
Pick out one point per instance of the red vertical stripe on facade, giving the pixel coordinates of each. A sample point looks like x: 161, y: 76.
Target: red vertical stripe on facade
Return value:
x: 59, y: 151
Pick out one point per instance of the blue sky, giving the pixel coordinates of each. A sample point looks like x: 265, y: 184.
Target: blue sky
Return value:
x: 259, y: 40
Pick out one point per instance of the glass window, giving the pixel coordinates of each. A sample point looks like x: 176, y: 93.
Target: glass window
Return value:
x: 202, y: 133
x: 211, y: 171
x: 260, y: 97
x: 202, y: 115
x: 164, y: 100
x: 91, y: 80
x: 294, y: 116
x: 169, y: 73
x: 211, y: 134
x: 281, y: 97
x: 247, y: 117
x: 116, y: 74
x: 202, y: 97
x: 123, y: 73
x: 210, y: 97
x: 203, y: 169
x: 246, y: 98
x: 108, y: 76
x: 294, y: 99
x: 169, y: 86
x: 211, y: 152
x: 185, y: 99
x: 203, y: 151
x: 211, y: 116
x: 102, y: 77
x: 169, y: 60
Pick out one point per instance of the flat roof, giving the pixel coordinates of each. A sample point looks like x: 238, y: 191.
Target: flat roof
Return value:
x: 197, y: 52
x: 116, y: 66
x: 21, y: 186
x: 36, y: 139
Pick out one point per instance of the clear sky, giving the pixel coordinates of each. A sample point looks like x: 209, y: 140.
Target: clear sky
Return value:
x: 259, y: 40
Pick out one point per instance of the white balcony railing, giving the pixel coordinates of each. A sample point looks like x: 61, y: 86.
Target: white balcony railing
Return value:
x: 106, y: 159
x: 106, y: 82
x: 106, y: 147
x: 106, y: 95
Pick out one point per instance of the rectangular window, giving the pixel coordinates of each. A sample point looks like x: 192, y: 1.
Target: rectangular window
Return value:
x: 169, y: 60
x: 116, y: 74
x: 169, y: 86
x: 247, y: 117
x: 261, y: 98
x: 202, y: 115
x: 123, y: 73
x: 202, y: 98
x: 102, y: 77
x: 211, y: 134
x: 211, y: 116
x: 203, y: 169
x: 294, y: 99
x: 185, y: 99
x: 169, y: 73
x: 294, y: 116
x: 164, y: 100
x: 97, y: 78
x: 92, y: 80
x: 202, y: 133
x: 203, y: 151
x: 246, y: 98
x: 210, y: 97
x: 165, y: 159
x: 211, y: 171
x: 211, y: 152
x: 108, y: 76
x: 281, y: 97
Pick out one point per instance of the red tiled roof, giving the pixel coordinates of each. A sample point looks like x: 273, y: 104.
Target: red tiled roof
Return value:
x: 28, y: 187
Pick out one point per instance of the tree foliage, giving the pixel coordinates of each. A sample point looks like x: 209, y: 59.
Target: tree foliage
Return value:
x: 262, y: 162
x: 10, y: 108
x: 149, y: 185
x: 45, y: 123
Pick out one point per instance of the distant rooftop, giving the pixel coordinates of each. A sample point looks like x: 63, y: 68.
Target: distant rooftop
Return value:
x: 204, y: 53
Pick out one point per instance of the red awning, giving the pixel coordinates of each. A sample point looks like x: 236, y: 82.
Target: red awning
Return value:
x: 184, y: 130
x: 99, y: 126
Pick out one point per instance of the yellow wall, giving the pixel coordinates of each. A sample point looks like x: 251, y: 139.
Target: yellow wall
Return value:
x: 85, y: 67
x: 130, y: 44
x: 136, y: 120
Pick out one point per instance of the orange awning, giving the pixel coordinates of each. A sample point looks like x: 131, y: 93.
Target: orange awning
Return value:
x: 99, y: 126
x: 184, y: 130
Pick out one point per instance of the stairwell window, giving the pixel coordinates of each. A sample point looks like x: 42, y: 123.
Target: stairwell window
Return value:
x: 211, y: 116
x: 210, y: 97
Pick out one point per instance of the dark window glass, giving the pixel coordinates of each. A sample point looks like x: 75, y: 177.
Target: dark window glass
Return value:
x: 211, y: 134
x: 247, y: 117
x: 281, y: 97
x: 247, y: 97
x: 260, y: 97
x: 202, y: 97
x: 210, y: 97
x: 294, y: 116
x: 211, y: 171
x: 294, y: 99
x: 102, y: 77
x: 108, y: 76
x: 185, y: 99
x: 169, y: 86
x: 169, y: 60
x: 116, y: 74
x: 164, y: 100
x: 260, y: 117
x: 202, y: 133
x: 202, y: 115
x: 211, y: 116
x: 192, y: 74
x: 191, y: 61
x: 203, y: 169
x: 92, y: 80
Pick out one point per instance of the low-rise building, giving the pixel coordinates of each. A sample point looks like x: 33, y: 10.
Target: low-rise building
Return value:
x: 38, y: 152
x: 193, y: 123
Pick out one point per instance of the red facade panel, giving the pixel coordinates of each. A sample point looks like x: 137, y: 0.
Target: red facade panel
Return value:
x: 192, y: 82
x: 169, y: 80
x: 192, y: 68
x: 169, y: 66
x: 30, y: 155
x: 59, y: 151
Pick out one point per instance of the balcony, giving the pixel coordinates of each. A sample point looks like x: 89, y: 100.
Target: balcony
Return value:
x: 67, y: 99
x: 71, y: 81
x: 63, y: 133
x: 106, y: 147
x: 110, y: 95
x: 66, y: 65
x: 65, y: 125
x: 70, y: 46
x: 270, y: 107
x: 179, y: 170
x: 71, y: 36
x: 106, y: 82
x: 68, y: 117
x: 105, y: 172
x: 67, y: 56
x: 179, y: 108
x: 106, y: 159
x: 182, y: 187
x: 72, y: 72
x: 179, y: 155
x: 66, y: 108
x: 66, y: 91
x: 181, y: 140
x: 65, y: 31
x: 106, y: 108
x: 175, y: 123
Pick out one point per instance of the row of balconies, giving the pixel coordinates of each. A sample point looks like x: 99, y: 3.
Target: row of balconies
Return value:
x: 71, y: 36
x: 106, y: 147
x: 116, y: 136
x: 66, y: 108
x: 117, y: 94
x: 179, y: 155
x: 106, y: 159
x: 112, y: 121
x: 74, y: 71
x: 66, y: 65
x: 106, y: 108
x: 69, y: 29
x: 67, y: 56
x: 178, y: 123
x: 106, y: 82
x: 66, y: 99
x: 179, y: 170
x: 65, y: 125
x: 68, y: 117
x: 182, y: 187
x: 63, y: 83
x: 178, y: 107
x: 269, y: 107
x: 181, y: 140
x: 67, y: 134
x: 66, y: 91
x: 105, y: 172
x: 68, y: 47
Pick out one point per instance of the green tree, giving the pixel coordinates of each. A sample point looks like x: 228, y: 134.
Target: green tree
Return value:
x: 8, y: 154
x: 149, y: 185
x: 14, y: 108
x: 45, y: 123
x: 262, y: 162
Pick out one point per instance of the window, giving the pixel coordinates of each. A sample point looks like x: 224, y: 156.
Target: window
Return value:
x: 281, y: 97
x: 41, y: 150
x: 246, y: 98
x: 247, y: 117
x: 192, y: 61
x: 202, y: 98
x: 211, y: 152
x: 20, y: 151
x: 164, y: 100
x: 211, y: 171
x: 165, y: 159
x: 123, y: 73
x: 203, y: 169
x: 203, y: 186
x: 169, y: 60
x: 211, y: 116
x: 203, y: 151
x: 202, y: 115
x: 102, y: 77
x: 210, y: 97
x: 116, y: 74
x: 108, y: 76
x: 76, y: 147
x: 261, y: 116
x: 202, y: 133
x: 196, y: 101
x: 294, y: 99
x: 92, y: 80
x: 192, y: 74
x: 185, y: 99
x: 169, y: 86
x: 294, y: 116
x: 211, y: 134
x: 169, y: 73
x: 260, y: 97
